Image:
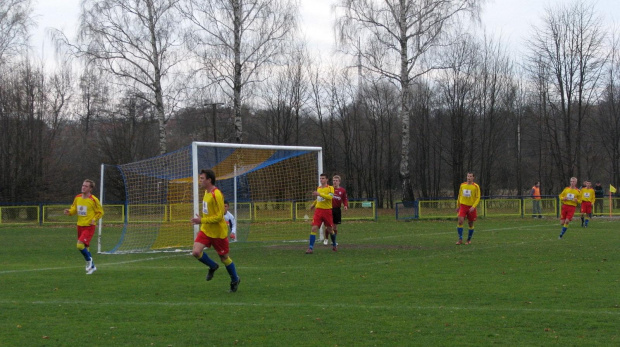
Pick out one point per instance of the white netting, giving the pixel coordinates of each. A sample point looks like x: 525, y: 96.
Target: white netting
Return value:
x: 268, y: 188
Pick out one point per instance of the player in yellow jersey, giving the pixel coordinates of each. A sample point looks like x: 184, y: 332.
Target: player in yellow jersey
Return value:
x: 213, y: 230
x: 569, y: 198
x: 469, y: 197
x: 322, y: 211
x: 89, y: 211
x: 588, y: 196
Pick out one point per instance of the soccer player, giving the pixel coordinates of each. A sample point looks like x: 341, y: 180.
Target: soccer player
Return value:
x: 469, y: 197
x: 322, y: 206
x: 213, y: 230
x: 535, y: 193
x: 89, y: 211
x: 232, y: 223
x: 340, y: 199
x: 588, y: 197
x: 569, y: 198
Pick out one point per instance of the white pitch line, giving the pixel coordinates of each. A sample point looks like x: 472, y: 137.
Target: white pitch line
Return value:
x: 398, y: 306
x: 104, y: 264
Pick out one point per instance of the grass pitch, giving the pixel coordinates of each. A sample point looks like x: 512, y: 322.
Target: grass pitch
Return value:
x: 390, y: 283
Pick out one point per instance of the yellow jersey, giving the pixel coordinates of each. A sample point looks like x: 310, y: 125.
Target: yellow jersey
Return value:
x: 324, y: 200
x: 212, y: 222
x: 572, y: 194
x: 469, y: 195
x: 88, y: 209
x: 588, y: 194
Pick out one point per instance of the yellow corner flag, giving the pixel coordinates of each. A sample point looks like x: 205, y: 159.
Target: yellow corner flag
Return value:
x: 612, y: 189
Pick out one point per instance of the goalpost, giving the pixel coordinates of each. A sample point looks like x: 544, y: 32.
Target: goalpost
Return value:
x: 148, y: 204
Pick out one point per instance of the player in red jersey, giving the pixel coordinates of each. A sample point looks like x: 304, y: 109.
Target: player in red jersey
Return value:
x: 340, y: 199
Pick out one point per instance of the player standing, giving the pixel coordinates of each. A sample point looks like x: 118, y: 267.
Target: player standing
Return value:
x: 213, y: 230
x: 588, y: 197
x: 89, y: 211
x: 340, y: 199
x: 232, y: 223
x: 469, y: 197
x: 570, y: 197
x: 322, y: 210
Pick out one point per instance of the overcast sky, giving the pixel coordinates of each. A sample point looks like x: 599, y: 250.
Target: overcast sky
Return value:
x: 510, y: 18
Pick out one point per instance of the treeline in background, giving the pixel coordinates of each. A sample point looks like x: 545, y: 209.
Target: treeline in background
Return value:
x: 401, y: 111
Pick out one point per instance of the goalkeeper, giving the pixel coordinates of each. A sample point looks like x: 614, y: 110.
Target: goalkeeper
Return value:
x: 89, y: 211
x: 213, y: 230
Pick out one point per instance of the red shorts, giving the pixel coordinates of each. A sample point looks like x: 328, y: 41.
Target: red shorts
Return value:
x: 586, y: 207
x: 219, y: 245
x: 464, y: 212
x: 567, y: 212
x: 322, y: 215
x: 85, y: 234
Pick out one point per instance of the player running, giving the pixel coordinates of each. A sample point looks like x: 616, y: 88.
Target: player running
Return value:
x: 569, y: 198
x: 213, y: 230
x: 588, y: 196
x: 89, y: 211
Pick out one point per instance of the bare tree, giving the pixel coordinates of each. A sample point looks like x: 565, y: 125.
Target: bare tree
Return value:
x: 236, y: 39
x: 137, y: 41
x: 396, y: 36
x: 608, y: 120
x: 284, y: 94
x: 15, y: 21
x: 495, y: 99
x: 566, y: 51
x: 458, y: 90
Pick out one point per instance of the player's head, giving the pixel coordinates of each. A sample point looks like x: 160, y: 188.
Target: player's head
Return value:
x: 207, y: 175
x: 537, y: 184
x: 588, y: 184
x: 336, y: 180
x: 323, y: 179
x: 470, y: 177
x: 226, y: 205
x: 573, y: 181
x: 88, y: 186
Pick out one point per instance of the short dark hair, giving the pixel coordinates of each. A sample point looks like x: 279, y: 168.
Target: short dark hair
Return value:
x: 210, y: 174
x: 226, y: 202
x: 323, y: 175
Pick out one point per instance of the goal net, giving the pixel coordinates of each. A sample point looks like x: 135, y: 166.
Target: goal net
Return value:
x: 148, y: 204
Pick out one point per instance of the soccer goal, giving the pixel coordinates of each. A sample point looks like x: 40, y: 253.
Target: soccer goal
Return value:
x: 148, y: 204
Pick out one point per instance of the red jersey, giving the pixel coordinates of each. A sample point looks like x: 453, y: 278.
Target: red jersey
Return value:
x: 340, y: 197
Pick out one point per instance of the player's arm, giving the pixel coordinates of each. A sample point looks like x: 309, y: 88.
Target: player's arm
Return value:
x: 233, y: 224
x: 328, y: 196
x: 476, y: 197
x: 98, y: 209
x: 345, y: 200
x: 73, y: 209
